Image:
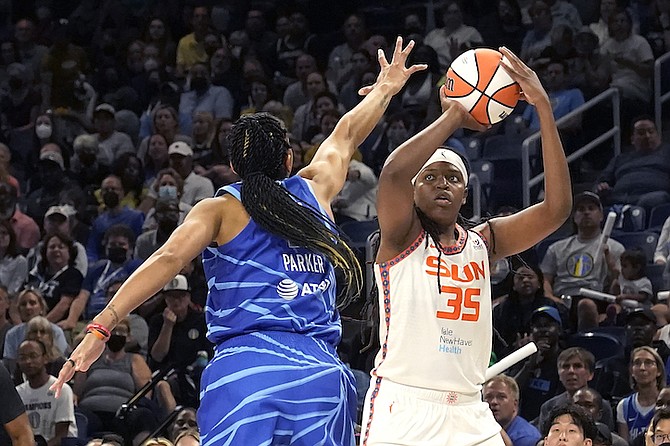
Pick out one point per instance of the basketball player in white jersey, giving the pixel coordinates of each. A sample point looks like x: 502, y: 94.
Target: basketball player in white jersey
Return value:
x: 433, y: 280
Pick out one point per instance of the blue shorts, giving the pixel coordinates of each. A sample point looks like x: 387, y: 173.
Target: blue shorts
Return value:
x: 276, y: 388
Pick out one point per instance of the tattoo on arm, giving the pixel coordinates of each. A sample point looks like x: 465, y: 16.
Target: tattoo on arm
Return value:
x: 385, y: 101
x: 115, y: 315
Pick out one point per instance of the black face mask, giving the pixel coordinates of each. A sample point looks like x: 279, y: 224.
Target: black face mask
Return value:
x: 117, y: 254
x: 116, y: 343
x: 199, y: 84
x: 111, y: 199
x: 15, y: 83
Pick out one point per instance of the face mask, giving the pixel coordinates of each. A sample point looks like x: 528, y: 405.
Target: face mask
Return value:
x: 167, y: 191
x: 116, y: 343
x: 87, y: 158
x: 15, y: 83
x: 117, y: 254
x: 43, y: 131
x: 110, y: 199
x: 199, y: 84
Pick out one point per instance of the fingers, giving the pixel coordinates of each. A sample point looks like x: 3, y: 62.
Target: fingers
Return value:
x: 418, y: 67
x: 382, y: 58
x: 365, y: 90
x: 65, y: 375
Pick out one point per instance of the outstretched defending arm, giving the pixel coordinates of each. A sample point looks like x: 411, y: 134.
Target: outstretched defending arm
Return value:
x: 328, y: 169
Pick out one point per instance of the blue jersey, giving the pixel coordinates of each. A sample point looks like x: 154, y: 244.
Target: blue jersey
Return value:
x: 260, y: 282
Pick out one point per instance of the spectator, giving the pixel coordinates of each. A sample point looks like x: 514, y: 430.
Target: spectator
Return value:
x: 184, y: 421
x: 168, y: 184
x: 204, y: 128
x: 634, y: 413
x: 454, y: 37
x: 575, y: 369
x: 195, y: 187
x: 86, y: 168
x: 539, y: 36
x: 53, y: 418
x: 502, y: 394
x: 217, y: 167
x: 614, y: 373
x: 659, y: 430
x: 538, y: 376
x: 189, y: 437
x: 601, y: 27
x: 156, y: 157
x: 642, y: 176
x: 128, y: 167
x: 59, y: 220
x: 158, y: 34
x: 115, y: 213
x: 662, y: 252
x: 119, y: 243
x: 191, y: 48
x: 25, y: 229
x: 572, y: 263
x: 632, y: 283
x: 565, y: 13
x: 30, y: 304
x: 110, y: 382
x: 165, y: 122
x: 419, y: 96
x: 503, y: 27
x: 512, y: 317
x: 167, y: 217
x: 591, y: 71
x: 13, y: 266
x: 297, y: 43
x: 40, y: 329
x: 260, y: 92
x: 20, y: 103
x: 569, y: 425
x: 339, y: 58
x: 203, y: 96
x: 55, y: 186
x: 305, y: 115
x: 111, y: 143
x: 591, y: 401
x: 14, y: 424
x: 30, y: 52
x: 6, y: 166
x: 297, y: 93
x: 56, y: 276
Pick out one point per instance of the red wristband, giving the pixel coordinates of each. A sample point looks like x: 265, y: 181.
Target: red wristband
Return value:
x: 99, y: 331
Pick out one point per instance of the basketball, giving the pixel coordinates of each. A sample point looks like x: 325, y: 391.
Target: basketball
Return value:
x: 477, y: 80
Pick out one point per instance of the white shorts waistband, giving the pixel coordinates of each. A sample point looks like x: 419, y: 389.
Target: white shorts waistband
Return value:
x: 436, y: 396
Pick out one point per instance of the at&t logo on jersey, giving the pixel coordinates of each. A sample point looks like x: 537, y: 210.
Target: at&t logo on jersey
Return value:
x: 289, y: 290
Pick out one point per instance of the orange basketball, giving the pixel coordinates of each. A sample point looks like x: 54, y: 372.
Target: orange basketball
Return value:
x: 477, y: 80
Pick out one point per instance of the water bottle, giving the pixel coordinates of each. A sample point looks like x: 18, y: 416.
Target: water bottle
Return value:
x: 201, y: 359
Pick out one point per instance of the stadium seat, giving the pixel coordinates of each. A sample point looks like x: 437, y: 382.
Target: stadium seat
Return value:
x: 602, y: 345
x: 657, y: 217
x: 644, y: 240
x: 630, y: 218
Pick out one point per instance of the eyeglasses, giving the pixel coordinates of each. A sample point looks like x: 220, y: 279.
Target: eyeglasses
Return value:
x: 645, y: 362
x: 661, y: 438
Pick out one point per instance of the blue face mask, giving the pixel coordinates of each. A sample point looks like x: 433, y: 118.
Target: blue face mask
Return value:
x: 167, y: 191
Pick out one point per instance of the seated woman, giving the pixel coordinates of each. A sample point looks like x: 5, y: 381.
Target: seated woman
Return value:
x: 111, y: 381
x: 168, y: 184
x: 203, y: 135
x: 56, y: 275
x: 40, y: 329
x: 30, y: 304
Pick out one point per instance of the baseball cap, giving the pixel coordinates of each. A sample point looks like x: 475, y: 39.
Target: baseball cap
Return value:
x: 54, y: 157
x: 56, y: 210
x: 549, y: 311
x: 105, y: 108
x: 180, y: 148
x: 587, y: 196
x: 179, y: 283
x: 644, y: 313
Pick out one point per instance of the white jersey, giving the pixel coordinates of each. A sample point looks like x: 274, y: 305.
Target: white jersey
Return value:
x: 436, y: 336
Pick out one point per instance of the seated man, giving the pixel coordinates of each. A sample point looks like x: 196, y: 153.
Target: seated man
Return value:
x: 572, y: 263
x: 641, y: 176
x: 51, y: 418
x: 502, y: 394
x: 575, y: 369
x: 590, y: 400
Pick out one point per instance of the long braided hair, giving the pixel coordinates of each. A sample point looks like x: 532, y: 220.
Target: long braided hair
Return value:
x: 258, y: 148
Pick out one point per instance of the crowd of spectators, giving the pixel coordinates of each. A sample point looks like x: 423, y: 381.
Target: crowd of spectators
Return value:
x: 113, y: 124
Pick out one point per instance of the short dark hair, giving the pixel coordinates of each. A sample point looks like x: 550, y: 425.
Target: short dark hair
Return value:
x: 579, y: 416
x: 636, y: 257
x: 586, y: 356
x: 119, y: 230
x: 66, y: 240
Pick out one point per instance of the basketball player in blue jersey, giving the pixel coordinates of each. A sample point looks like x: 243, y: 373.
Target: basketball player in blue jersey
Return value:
x: 433, y: 280
x: 270, y: 249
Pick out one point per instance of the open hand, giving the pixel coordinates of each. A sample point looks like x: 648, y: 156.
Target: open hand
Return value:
x: 531, y: 88
x: 86, y: 353
x: 394, y: 73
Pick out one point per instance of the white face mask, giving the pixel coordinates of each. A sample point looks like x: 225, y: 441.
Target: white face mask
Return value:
x: 43, y: 131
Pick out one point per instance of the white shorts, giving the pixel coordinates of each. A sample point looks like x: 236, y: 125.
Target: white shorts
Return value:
x: 403, y: 415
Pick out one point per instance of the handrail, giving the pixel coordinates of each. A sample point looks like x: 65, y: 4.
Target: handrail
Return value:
x: 658, y: 98
x: 615, y: 132
x: 476, y: 183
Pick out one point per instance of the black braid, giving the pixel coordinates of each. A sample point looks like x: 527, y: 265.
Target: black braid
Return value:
x: 258, y: 148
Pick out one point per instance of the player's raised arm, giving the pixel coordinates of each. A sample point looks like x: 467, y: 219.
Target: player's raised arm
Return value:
x: 520, y: 231
x: 328, y: 168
